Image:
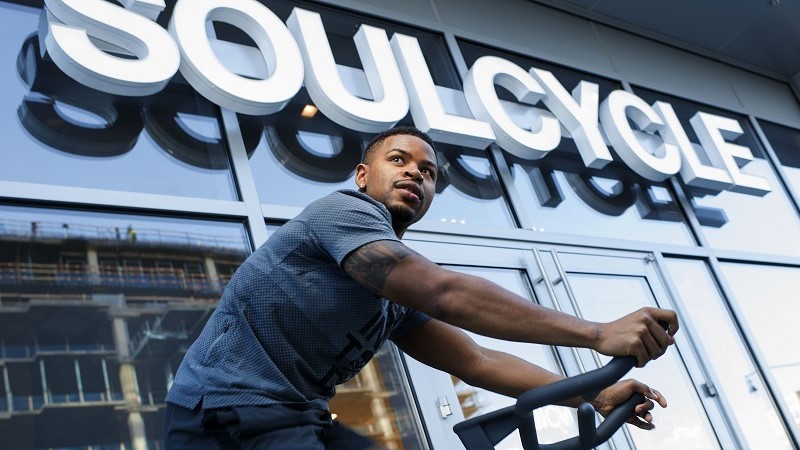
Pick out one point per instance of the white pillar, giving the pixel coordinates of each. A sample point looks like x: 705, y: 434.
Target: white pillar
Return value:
x: 130, y: 388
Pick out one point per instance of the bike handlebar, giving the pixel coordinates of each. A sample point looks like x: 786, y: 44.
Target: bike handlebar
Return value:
x: 485, y: 431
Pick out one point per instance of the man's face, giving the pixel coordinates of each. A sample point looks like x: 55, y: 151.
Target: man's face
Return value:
x: 401, y: 174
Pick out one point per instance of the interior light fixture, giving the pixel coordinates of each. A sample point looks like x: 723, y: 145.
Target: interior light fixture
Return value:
x: 309, y: 111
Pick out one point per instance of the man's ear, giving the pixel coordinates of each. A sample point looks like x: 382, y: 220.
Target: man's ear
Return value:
x: 361, y: 175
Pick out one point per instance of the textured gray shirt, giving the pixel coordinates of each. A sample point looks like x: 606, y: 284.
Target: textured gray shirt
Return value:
x: 292, y: 324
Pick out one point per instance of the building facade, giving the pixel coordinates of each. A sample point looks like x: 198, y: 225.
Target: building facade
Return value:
x: 582, y: 167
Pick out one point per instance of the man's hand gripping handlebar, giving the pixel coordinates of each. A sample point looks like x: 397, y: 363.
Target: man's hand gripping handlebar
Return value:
x: 485, y: 431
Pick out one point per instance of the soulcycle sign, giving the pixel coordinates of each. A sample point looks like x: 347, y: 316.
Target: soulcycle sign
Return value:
x: 297, y: 52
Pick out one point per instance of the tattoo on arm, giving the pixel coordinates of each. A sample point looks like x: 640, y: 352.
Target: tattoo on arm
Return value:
x: 371, y: 264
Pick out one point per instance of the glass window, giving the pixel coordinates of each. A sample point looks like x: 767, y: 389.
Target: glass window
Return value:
x: 294, y: 167
x: 767, y: 297
x: 786, y: 144
x: 97, y: 308
x: 744, y: 390
x: 559, y: 194
x: 770, y: 223
x: 58, y: 132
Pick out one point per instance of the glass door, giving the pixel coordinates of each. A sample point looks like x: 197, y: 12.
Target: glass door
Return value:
x: 599, y: 286
x: 605, y: 286
x: 445, y: 400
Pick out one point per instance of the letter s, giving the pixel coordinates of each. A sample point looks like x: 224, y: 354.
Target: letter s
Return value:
x: 70, y: 23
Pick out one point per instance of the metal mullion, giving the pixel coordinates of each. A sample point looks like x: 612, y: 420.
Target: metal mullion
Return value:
x: 537, y: 259
x: 571, y: 296
x: 78, y: 196
x: 757, y: 258
x: 455, y: 53
x: 552, y: 292
x: 243, y: 177
x: 524, y: 237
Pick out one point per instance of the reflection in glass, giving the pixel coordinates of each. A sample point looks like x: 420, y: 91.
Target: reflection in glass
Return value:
x: 770, y: 223
x: 297, y: 160
x: 468, y: 190
x: 683, y: 424
x: 561, y: 196
x: 59, y: 132
x: 750, y: 404
x: 96, y: 312
x: 553, y: 423
x: 376, y: 403
x: 786, y: 144
x: 767, y: 297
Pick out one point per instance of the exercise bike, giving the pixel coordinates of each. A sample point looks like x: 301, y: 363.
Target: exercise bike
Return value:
x: 485, y: 431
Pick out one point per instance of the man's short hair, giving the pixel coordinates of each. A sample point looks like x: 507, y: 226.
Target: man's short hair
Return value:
x: 403, y: 129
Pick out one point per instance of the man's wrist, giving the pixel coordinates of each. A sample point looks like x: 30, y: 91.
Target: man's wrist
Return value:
x: 594, y: 333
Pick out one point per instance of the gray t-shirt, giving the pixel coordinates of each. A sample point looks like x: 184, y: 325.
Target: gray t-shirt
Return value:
x: 292, y: 324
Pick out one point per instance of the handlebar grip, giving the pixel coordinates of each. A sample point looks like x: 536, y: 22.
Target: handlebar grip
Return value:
x: 617, y: 417
x: 585, y: 384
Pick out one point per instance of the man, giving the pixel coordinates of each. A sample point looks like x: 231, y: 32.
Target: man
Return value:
x: 309, y: 309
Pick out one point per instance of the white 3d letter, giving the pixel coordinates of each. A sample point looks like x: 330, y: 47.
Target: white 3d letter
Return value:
x: 693, y: 171
x: 647, y: 154
x: 479, y: 88
x: 713, y: 131
x: 578, y: 114
x: 148, y: 8
x: 426, y: 105
x: 204, y: 71
x: 324, y: 83
x: 71, y: 22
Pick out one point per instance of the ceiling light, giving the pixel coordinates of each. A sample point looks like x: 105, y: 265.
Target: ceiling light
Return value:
x: 309, y: 111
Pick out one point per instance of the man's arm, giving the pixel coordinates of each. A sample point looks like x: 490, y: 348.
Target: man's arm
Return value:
x: 396, y: 272
x: 450, y: 350
x: 456, y: 353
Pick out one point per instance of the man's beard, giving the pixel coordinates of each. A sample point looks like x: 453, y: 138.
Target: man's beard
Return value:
x: 401, y: 214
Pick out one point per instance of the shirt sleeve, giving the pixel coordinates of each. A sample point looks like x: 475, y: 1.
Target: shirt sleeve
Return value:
x: 346, y: 220
x: 413, y: 320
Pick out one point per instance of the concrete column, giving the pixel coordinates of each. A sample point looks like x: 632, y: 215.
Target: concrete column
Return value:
x: 93, y: 264
x: 130, y: 386
x: 138, y: 434
x: 211, y: 273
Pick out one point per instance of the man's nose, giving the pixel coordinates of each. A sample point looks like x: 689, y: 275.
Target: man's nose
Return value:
x: 414, y: 173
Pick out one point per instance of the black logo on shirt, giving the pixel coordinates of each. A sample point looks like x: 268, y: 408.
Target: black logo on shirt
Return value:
x: 360, y: 348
